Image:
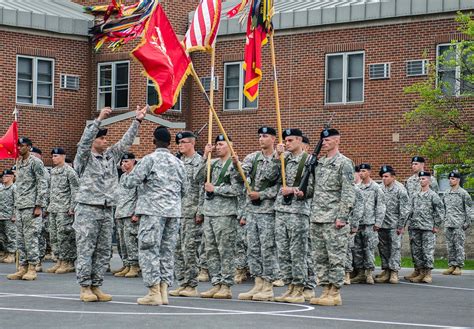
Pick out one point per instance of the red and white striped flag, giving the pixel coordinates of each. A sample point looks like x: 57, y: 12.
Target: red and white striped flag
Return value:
x: 202, y: 32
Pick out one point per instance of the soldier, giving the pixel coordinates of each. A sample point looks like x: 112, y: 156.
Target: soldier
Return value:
x: 30, y: 194
x: 366, y: 238
x: 397, y: 210
x: 220, y: 210
x: 96, y: 166
x: 7, y: 216
x: 292, y: 219
x: 459, y: 215
x: 190, y: 230
x: 413, y: 182
x: 62, y: 194
x: 306, y: 144
x: 332, y: 202
x: 127, y: 221
x: 260, y: 216
x: 241, y: 265
x: 426, y: 216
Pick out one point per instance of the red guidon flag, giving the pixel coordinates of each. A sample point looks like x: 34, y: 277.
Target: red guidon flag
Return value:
x: 256, y: 38
x: 9, y: 142
x: 202, y: 32
x: 163, y: 58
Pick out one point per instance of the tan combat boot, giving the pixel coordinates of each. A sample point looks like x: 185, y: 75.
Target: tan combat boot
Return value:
x: 54, y: 268
x: 332, y: 299
x: 369, y: 279
x: 133, y: 272
x: 421, y: 275
x: 449, y: 271
x: 176, y: 291
x: 9, y: 258
x: 257, y: 287
x: 347, y: 278
x: 384, y: 277
x: 189, y: 292
x: 223, y: 293
x: 382, y: 274
x: 308, y: 293
x: 39, y: 267
x: 296, y: 295
x: 67, y: 267
x: 203, y: 275
x: 457, y: 271
x: 87, y: 295
x: 360, y: 277
x: 265, y: 294
x: 101, y: 296
x: 152, y: 298
x: 413, y: 274
x: 211, y: 292
x: 324, y: 294
x: 18, y: 274
x: 119, y: 270
x: 31, y: 274
x: 164, y: 292
x: 278, y: 283
x: 393, y: 277
x: 427, y: 278
x: 287, y: 293
x: 122, y: 273
x: 240, y: 275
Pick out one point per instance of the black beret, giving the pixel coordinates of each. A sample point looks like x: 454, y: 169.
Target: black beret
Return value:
x: 184, y: 134
x: 58, y: 150
x: 25, y: 140
x: 357, y: 168
x: 455, y: 174
x: 7, y: 172
x: 424, y: 174
x: 128, y: 156
x: 220, y: 138
x: 305, y: 139
x: 101, y: 132
x: 365, y: 166
x: 267, y: 130
x: 292, y: 132
x: 418, y: 159
x: 386, y: 169
x: 162, y: 134
x: 329, y: 132
x: 34, y: 149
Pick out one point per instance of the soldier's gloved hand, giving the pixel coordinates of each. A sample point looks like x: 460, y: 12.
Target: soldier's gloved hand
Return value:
x: 340, y: 224
x: 254, y: 195
x: 400, y: 231
x: 376, y: 228
x: 37, y: 212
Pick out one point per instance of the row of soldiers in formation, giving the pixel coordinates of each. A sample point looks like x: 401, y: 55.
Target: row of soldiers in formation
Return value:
x: 162, y: 205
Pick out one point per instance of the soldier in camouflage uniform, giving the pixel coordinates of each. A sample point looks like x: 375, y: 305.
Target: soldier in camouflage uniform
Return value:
x: 61, y: 203
x: 397, y: 210
x: 7, y: 216
x: 30, y: 194
x: 331, y: 207
x: 96, y: 166
x: 241, y: 265
x: 292, y: 219
x: 260, y: 216
x: 426, y: 216
x: 190, y: 230
x: 220, y: 210
x: 459, y: 215
x: 127, y: 221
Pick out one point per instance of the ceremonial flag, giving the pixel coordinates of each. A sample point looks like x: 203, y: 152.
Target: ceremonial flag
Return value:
x: 9, y: 142
x: 202, y: 32
x: 164, y: 60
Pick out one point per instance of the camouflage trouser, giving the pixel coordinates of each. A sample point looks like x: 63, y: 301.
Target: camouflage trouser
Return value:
x: 202, y: 253
x: 94, y: 227
x: 261, y: 250
x: 8, y: 235
x: 389, y: 248
x: 348, y: 266
x: 329, y: 252
x: 122, y: 247
x: 241, y: 247
x: 186, y: 255
x: 156, y: 245
x: 43, y: 238
x: 28, y: 230
x: 365, y: 242
x: 220, y: 234
x: 422, y: 244
x: 311, y: 279
x: 291, y: 235
x: 130, y: 233
x: 455, y: 243
x: 63, y: 236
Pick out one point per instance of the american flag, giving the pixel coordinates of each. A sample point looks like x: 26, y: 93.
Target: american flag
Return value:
x: 202, y: 32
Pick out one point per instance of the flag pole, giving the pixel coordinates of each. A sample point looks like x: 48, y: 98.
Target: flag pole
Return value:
x: 221, y: 128
x: 277, y: 107
x: 211, y: 104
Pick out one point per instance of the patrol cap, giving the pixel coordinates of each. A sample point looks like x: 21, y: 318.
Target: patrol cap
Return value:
x: 424, y: 174
x: 25, y: 140
x: 418, y: 159
x: 365, y: 166
x: 35, y: 149
x: 386, y: 169
x: 220, y: 138
x: 184, y: 134
x: 58, y: 150
x: 7, y: 172
x: 162, y: 134
x: 267, y: 130
x: 357, y: 168
x: 305, y: 139
x: 455, y: 174
x: 328, y: 132
x: 292, y: 132
x: 128, y: 156
x: 101, y: 132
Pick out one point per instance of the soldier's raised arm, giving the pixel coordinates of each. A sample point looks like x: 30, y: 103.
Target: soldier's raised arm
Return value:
x: 139, y: 173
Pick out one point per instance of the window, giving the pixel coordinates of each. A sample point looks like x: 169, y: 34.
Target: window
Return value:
x: 113, y: 84
x: 152, y: 97
x: 417, y: 67
x: 345, y: 78
x: 379, y: 71
x: 452, y: 66
x: 34, y: 84
x: 234, y: 98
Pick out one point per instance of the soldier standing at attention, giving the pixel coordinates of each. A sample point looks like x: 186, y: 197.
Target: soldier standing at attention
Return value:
x: 96, y: 166
x: 459, y: 215
x: 413, y: 182
x: 7, y: 216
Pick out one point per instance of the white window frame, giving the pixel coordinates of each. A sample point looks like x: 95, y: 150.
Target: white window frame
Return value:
x: 241, y: 87
x: 457, y: 74
x: 34, y: 73
x: 149, y: 83
x: 344, y: 77
x: 114, y: 64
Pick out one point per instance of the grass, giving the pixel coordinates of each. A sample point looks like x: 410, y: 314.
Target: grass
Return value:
x: 438, y: 263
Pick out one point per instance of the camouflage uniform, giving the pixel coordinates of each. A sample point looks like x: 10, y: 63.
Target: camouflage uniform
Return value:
x: 7, y: 213
x: 44, y: 239
x: 62, y: 193
x: 241, y: 237
x: 220, y: 221
x: 189, y: 238
x: 354, y: 219
x: 333, y: 199
x: 366, y: 238
x: 427, y: 212
x: 292, y: 226
x: 159, y: 206
x: 98, y: 180
x: 30, y: 192
x: 459, y: 215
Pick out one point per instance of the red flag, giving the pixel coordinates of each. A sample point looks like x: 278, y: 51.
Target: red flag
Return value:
x: 163, y: 59
x: 9, y: 142
x: 256, y: 38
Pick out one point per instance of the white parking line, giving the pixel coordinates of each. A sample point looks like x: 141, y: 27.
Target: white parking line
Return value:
x: 435, y: 286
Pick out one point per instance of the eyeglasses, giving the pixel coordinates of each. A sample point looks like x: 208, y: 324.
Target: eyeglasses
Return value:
x: 184, y: 142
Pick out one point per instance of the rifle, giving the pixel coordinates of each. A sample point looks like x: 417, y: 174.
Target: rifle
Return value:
x: 196, y: 133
